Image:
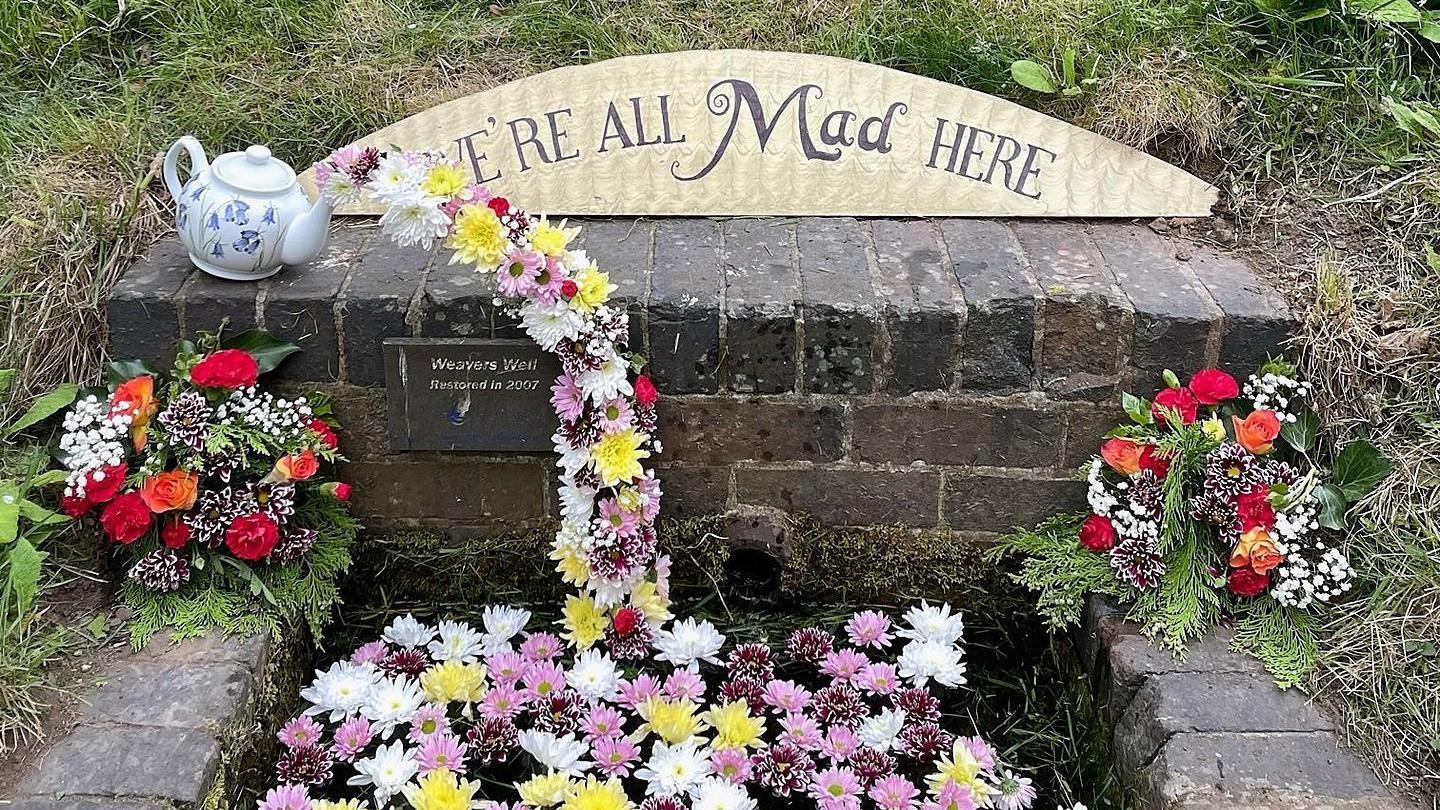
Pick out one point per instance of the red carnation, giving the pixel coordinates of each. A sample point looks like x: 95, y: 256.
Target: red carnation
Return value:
x: 1155, y: 461
x: 568, y: 288
x: 227, y: 368
x: 626, y: 620
x: 75, y: 506
x: 127, y: 518
x: 645, y: 392
x: 98, y: 492
x: 175, y: 533
x: 1175, y: 399
x: 253, y: 536
x: 339, y: 490
x: 499, y: 205
x: 1211, y: 386
x: 1247, y: 583
x: 1097, y: 533
x: 327, y: 434
x: 1255, y: 510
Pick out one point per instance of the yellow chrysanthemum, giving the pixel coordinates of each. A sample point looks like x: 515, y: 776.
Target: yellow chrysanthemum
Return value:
x: 544, y: 790
x: 551, y: 239
x: 452, y: 680
x: 593, y: 289
x: 617, y: 456
x: 478, y: 238
x: 570, y: 562
x: 345, y: 804
x: 628, y: 498
x: 961, y: 767
x: 656, y: 608
x: 445, y: 180
x: 673, y: 720
x: 441, y: 790
x: 734, y: 727
x: 584, y: 621
x: 593, y: 794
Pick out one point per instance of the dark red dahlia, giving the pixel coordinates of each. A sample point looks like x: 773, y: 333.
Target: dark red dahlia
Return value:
x: 918, y: 704
x: 305, y: 765
x: 839, y: 705
x: 923, y: 742
x: 871, y: 765
x: 408, y: 661
x: 559, y: 712
x: 751, y: 661
x: 491, y: 741
x: 810, y: 644
x: 783, y: 769
x: 747, y: 689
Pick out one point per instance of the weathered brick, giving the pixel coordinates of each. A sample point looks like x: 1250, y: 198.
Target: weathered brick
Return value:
x: 205, y: 302
x: 621, y: 248
x: 374, y: 303
x: 1000, y: 503
x: 300, y: 306
x: 454, y: 489
x: 1256, y: 320
x: 142, y: 319
x: 963, y: 434
x: 364, y: 422
x: 761, y: 293
x: 1085, y: 429
x: 1133, y: 659
x: 721, y: 430
x: 922, y: 304
x: 691, y: 490
x: 127, y: 761
x: 85, y: 803
x: 460, y: 302
x: 685, y: 299
x: 845, y: 497
x: 838, y: 305
x: 997, y: 350
x: 184, y: 695
x: 1174, y: 316
x: 1086, y: 318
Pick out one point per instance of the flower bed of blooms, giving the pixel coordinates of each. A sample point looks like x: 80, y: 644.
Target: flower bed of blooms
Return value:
x: 626, y: 706
x: 214, y: 492
x: 1212, y: 503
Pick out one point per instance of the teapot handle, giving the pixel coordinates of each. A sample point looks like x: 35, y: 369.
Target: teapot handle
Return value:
x: 198, y: 163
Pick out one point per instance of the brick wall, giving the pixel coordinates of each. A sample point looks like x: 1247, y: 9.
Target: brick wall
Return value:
x: 928, y: 372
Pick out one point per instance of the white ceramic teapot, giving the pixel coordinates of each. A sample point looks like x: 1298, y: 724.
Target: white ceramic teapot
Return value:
x: 244, y: 216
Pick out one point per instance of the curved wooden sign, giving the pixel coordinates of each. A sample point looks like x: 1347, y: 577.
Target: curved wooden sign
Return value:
x: 764, y: 133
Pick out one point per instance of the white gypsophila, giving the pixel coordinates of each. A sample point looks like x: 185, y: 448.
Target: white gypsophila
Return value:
x: 396, y: 180
x: 407, y: 631
x: 594, y: 675
x: 1297, y: 520
x: 674, y: 770
x: 388, y: 770
x: 1102, y: 501
x: 577, y: 504
x: 504, y: 621
x: 548, y: 324
x: 688, y: 641
x: 340, y: 690
x: 281, y: 418
x: 921, y: 661
x: 418, y: 222
x: 559, y: 754
x: 610, y: 380
x: 928, y: 623
x: 1276, y: 392
x: 570, y: 459
x: 882, y: 730
x: 1301, y: 582
x: 457, y: 642
x: 390, y: 702
x: 715, y: 793
x: 93, y: 440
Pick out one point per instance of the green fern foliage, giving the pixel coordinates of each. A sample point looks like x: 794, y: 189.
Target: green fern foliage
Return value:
x: 1281, y: 638
x: 1059, y: 570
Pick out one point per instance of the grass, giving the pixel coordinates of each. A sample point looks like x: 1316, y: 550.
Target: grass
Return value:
x: 1289, y: 114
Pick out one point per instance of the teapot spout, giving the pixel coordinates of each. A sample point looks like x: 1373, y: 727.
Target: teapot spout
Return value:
x: 306, y: 236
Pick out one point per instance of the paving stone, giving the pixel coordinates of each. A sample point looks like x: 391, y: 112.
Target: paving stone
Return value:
x: 176, y: 764
x: 1256, y: 320
x: 374, y: 304
x: 182, y: 695
x: 300, y: 306
x: 1133, y: 658
x: 997, y: 353
x: 722, y: 430
x: 761, y: 294
x: 692, y: 490
x: 82, y: 803
x: 250, y: 652
x: 838, y: 304
x: 141, y: 314
x: 685, y: 304
x: 460, y: 302
x: 963, y: 434
x: 844, y: 497
x: 621, y: 249
x: 206, y: 302
x: 1001, y: 503
x: 922, y: 303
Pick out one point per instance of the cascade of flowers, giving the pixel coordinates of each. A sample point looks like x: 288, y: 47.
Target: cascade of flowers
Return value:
x: 627, y: 706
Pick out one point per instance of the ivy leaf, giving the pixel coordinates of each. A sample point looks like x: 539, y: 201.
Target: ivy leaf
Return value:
x: 44, y: 407
x: 267, y: 349
x: 24, y: 578
x: 1332, y: 506
x: 122, y: 370
x: 1032, y: 75
x: 1358, y: 468
x: 1301, y: 433
x: 1138, y: 408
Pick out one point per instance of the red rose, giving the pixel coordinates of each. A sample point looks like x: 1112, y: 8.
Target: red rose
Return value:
x: 252, y: 537
x: 127, y: 518
x: 1097, y: 533
x: 1175, y: 399
x: 499, y: 205
x: 568, y: 288
x: 1245, y: 582
x: 1255, y: 510
x: 1155, y: 461
x: 327, y: 434
x: 98, y: 492
x: 75, y: 507
x: 645, y: 392
x: 1211, y: 386
x: 227, y: 368
x: 626, y: 620
x: 175, y: 533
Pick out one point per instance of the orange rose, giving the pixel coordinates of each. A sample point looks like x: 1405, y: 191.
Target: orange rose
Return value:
x: 1256, y: 551
x: 1122, y: 455
x: 170, y: 490
x: 136, y: 398
x: 1258, y: 431
x: 297, y: 467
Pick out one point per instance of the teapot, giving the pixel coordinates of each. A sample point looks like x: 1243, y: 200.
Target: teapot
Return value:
x: 244, y: 216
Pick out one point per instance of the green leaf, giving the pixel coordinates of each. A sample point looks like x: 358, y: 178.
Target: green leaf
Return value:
x: 1138, y: 409
x: 48, y: 478
x: 121, y: 370
x: 1430, y: 30
x: 1067, y: 66
x: 1358, y: 468
x: 9, y: 511
x: 1432, y: 258
x: 1393, y: 11
x: 1301, y: 433
x: 24, y: 579
x: 1313, y: 14
x: 44, y: 407
x: 267, y: 349
x: 1332, y: 506
x: 1032, y: 75
x: 39, y: 515
x: 7, y: 380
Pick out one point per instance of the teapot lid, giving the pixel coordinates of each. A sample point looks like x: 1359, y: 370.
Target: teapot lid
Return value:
x: 253, y: 170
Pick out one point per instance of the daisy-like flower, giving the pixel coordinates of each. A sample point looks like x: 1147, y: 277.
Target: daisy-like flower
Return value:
x: 567, y: 398
x: 371, y: 653
x: 720, y: 794
x: 407, y: 631
x: 844, y: 665
x: 734, y: 726
x: 801, y: 730
x: 1014, y: 792
x: 959, y: 767
x: 457, y: 642
x: 548, y: 324
x: 636, y: 691
x: 352, y: 737
x: 286, y: 797
x: 302, y: 730
x: 611, y: 380
x: 616, y: 414
x: 731, y: 764
x: 786, y: 696
x: 602, y: 721
x: 783, y: 769
x: 673, y: 770
x: 922, y: 660
x: 688, y: 641
x: 505, y: 667
x: 894, y: 792
x: 615, y: 756
x: 983, y: 752
x: 396, y: 180
x: 935, y: 624
x: 478, y: 238
x: 751, y: 661
x: 682, y: 684
x: 616, y: 519
x: 442, y: 751
x: 560, y: 754
x: 516, y: 275
x: 871, y: 765
x: 869, y: 628
x: 541, y: 678
x: 836, y: 789
x: 492, y: 741
x: 502, y: 700
x: 430, y: 719
x: 392, y: 701
x: 419, y: 221
x: 340, y: 690
x: 882, y: 730
x: 810, y: 644
x: 541, y: 647
x: 953, y: 796
x: 387, y: 771
x: 839, y: 743
x: 504, y: 622
x: 594, y: 676
x: 878, y: 678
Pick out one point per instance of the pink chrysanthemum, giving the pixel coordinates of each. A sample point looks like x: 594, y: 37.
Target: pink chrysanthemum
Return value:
x: 372, y: 653
x: 615, y: 756
x: 601, y: 722
x: 505, y: 667
x: 567, y: 398
x: 894, y: 792
x: 635, y: 691
x: 844, y: 665
x: 541, y: 647
x: 783, y: 768
x: 682, y: 684
x: 983, y: 752
x: 787, y: 696
x: 352, y: 736
x: 732, y: 765
x: 516, y: 275
x: 869, y: 628
x: 616, y: 415
x: 952, y: 796
x: 302, y: 730
x: 836, y: 789
x: 878, y: 679
x: 541, y: 679
x: 840, y: 742
x: 286, y: 797
x: 550, y: 282
x: 428, y: 720
x: 801, y: 731
x: 442, y: 751
x: 502, y: 700
x: 616, y: 519
x: 649, y: 486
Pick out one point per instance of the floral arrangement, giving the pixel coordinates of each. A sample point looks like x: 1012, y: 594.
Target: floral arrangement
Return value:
x: 213, y: 491
x: 626, y: 706
x: 1211, y: 503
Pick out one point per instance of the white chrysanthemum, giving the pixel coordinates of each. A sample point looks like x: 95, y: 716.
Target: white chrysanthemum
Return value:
x: 392, y: 701
x: 505, y: 621
x: 721, y: 794
x: 407, y: 631
x: 610, y: 592
x: 574, y: 261
x: 932, y: 624
x: 559, y: 754
x: 610, y: 380
x: 594, y: 676
x: 388, y: 770
x: 576, y: 503
x: 882, y: 730
x: 548, y: 324
x: 688, y: 641
x: 922, y: 660
x: 340, y: 690
x: 396, y: 181
x: 457, y: 642
x: 674, y: 770
x: 418, y: 222
x: 569, y: 459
